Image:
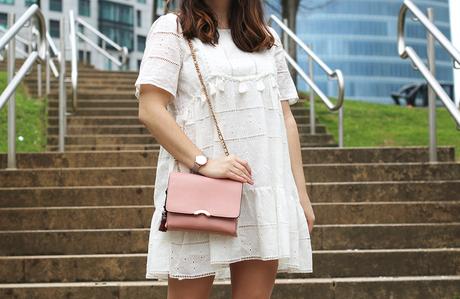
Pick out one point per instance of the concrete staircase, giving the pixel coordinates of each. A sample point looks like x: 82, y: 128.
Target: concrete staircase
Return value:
x: 75, y: 224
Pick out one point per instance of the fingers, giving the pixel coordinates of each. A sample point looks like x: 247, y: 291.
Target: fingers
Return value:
x: 245, y: 164
x: 239, y: 172
x: 242, y: 169
x: 234, y: 176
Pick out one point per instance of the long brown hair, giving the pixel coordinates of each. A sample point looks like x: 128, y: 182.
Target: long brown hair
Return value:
x: 246, y: 18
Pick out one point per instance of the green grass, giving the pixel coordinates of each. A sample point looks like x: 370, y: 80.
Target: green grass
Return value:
x: 370, y: 124
x: 30, y: 121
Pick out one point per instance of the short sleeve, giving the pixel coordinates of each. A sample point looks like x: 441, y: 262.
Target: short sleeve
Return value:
x: 162, y: 58
x: 286, y: 86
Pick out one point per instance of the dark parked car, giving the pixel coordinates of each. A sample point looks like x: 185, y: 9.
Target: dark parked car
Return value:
x: 416, y: 94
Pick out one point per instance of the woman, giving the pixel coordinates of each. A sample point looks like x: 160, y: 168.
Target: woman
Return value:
x: 246, y: 75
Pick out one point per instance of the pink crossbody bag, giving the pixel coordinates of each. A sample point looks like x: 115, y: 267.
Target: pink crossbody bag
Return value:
x: 195, y: 202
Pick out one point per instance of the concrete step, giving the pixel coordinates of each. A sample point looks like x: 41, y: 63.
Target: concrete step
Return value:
x: 20, y: 62
x: 110, y: 139
x: 132, y: 103
x: 347, y: 192
x: 133, y: 110
x: 123, y: 95
x: 324, y: 237
x: 131, y: 267
x: 314, y: 173
x: 129, y: 147
x: 383, y: 191
x: 149, y: 157
x: 76, y: 120
x: 91, y: 71
x: 121, y: 120
x: 122, y: 111
x: 384, y: 287
x: 138, y: 129
x: 116, y: 217
x: 32, y: 88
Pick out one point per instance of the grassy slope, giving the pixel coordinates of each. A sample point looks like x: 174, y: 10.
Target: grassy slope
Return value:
x: 30, y: 121
x: 369, y: 124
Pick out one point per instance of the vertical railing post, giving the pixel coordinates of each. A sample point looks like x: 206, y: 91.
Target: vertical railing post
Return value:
x: 341, y: 127
x: 106, y: 59
x: 74, y: 59
x: 312, y: 95
x: 12, y: 100
x: 47, y: 71
x: 431, y: 94
x: 62, y: 89
x: 39, y: 80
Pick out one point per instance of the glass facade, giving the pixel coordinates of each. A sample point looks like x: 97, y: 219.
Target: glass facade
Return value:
x: 116, y: 21
x: 84, y: 8
x: 11, y: 2
x: 359, y: 37
x: 139, y: 18
x: 29, y: 2
x: 3, y: 20
x: 141, y: 43
x: 54, y: 28
x: 55, y: 5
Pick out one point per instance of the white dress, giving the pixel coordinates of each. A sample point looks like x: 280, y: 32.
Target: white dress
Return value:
x: 245, y: 90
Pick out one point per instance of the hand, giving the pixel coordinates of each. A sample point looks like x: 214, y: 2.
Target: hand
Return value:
x: 231, y: 167
x: 308, y: 211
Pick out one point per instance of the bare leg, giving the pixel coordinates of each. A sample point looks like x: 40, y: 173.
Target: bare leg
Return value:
x: 253, y: 279
x: 196, y: 288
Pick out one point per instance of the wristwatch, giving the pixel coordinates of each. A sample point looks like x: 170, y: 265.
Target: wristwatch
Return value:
x: 200, y: 160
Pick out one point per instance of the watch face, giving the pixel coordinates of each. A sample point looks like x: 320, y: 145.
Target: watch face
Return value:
x: 200, y: 159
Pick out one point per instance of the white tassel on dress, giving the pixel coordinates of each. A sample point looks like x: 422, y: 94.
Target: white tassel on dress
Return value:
x: 243, y: 87
x: 220, y: 84
x: 260, y: 85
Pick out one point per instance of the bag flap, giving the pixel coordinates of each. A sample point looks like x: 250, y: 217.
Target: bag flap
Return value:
x: 189, y: 193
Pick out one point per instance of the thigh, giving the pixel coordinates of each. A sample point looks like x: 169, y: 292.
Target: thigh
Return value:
x: 253, y: 279
x: 196, y: 288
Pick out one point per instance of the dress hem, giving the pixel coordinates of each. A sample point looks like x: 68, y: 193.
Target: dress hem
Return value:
x: 160, y: 275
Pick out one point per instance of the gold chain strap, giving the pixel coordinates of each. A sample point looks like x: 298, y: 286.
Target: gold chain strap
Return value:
x: 203, y: 86
x: 204, y: 90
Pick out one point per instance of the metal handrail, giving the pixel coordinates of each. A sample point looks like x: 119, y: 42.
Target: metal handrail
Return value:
x: 38, y: 54
x: 123, y: 50
x: 18, y: 38
x: 73, y: 44
x: 332, y: 74
x: 73, y: 59
x: 405, y: 52
x: 54, y: 54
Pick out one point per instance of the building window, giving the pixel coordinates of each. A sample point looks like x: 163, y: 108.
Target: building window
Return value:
x: 3, y: 20
x: 82, y: 55
x: 84, y: 8
x: 140, y: 43
x: 30, y: 2
x: 56, y: 5
x: 81, y: 28
x: 139, y: 64
x: 11, y: 2
x: 141, y: 1
x: 55, y: 28
x: 139, y: 18
x: 117, y: 21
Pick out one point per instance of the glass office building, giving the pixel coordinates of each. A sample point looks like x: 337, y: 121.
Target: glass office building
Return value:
x: 359, y: 37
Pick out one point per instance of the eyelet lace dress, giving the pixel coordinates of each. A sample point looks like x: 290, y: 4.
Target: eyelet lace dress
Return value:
x: 245, y: 90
